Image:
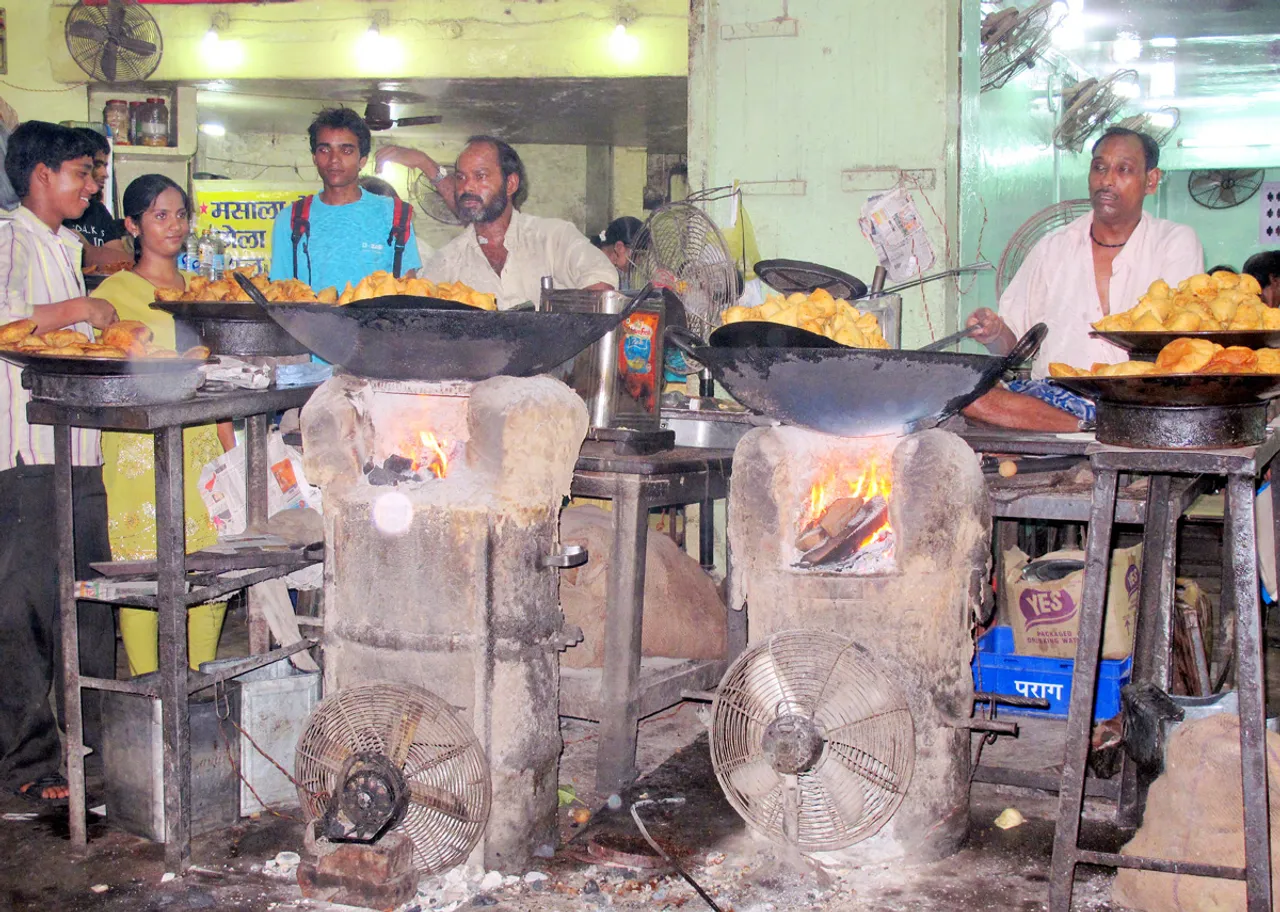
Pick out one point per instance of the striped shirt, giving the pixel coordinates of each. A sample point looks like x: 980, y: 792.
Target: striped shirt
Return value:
x: 37, y: 266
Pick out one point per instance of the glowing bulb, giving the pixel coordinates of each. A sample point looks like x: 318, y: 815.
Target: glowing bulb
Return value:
x: 213, y: 129
x: 624, y: 47
x: 1127, y: 90
x: 1164, y: 80
x: 1126, y: 47
x: 211, y: 36
x: 1162, y: 119
x: 375, y: 52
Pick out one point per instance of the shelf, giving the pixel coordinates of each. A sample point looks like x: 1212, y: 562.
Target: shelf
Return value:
x: 167, y: 153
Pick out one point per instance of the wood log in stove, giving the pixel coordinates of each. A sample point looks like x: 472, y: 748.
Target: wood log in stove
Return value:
x: 841, y: 529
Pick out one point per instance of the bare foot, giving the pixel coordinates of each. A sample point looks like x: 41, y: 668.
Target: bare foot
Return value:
x: 49, y: 790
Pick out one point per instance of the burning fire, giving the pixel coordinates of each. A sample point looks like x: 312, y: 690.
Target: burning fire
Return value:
x: 871, y: 481
x: 432, y: 455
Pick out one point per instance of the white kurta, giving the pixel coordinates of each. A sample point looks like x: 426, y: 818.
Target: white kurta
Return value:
x: 1055, y: 286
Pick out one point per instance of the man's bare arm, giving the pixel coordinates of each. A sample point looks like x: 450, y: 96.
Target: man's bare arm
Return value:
x: 94, y: 311
x: 1025, y: 413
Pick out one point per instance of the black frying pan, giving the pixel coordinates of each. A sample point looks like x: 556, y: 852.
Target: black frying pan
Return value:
x: 856, y: 392
x: 432, y: 343
x: 1199, y: 390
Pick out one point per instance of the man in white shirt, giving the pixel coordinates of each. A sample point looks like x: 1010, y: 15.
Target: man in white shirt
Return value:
x: 504, y: 252
x: 1099, y: 264
x: 51, y: 169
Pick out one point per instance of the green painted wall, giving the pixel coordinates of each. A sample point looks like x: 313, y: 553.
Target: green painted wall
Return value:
x: 1229, y: 235
x: 860, y: 85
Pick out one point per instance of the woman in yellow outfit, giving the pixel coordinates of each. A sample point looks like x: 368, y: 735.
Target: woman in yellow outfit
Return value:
x: 157, y: 215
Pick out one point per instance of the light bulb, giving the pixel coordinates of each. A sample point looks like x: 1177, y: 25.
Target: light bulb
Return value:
x: 213, y: 129
x: 624, y: 47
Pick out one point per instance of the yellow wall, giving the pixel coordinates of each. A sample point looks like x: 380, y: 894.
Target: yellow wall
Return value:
x: 30, y: 85
x: 452, y: 39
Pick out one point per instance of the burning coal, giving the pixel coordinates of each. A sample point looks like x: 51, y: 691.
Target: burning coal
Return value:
x: 429, y: 459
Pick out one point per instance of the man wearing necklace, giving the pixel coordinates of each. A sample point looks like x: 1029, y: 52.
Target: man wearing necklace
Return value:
x: 1099, y: 264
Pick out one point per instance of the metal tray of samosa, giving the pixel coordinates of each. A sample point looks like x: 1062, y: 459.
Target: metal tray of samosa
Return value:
x: 1200, y: 390
x: 70, y: 365
x: 1152, y: 342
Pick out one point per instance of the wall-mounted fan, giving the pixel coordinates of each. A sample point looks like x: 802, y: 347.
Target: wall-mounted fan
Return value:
x: 113, y: 41
x: 1029, y: 234
x: 424, y: 195
x: 1223, y: 188
x: 1013, y: 40
x: 1160, y: 124
x: 1089, y: 104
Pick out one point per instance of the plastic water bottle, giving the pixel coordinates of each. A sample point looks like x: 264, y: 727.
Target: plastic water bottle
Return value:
x: 219, y: 252
x: 204, y: 255
x: 189, y: 258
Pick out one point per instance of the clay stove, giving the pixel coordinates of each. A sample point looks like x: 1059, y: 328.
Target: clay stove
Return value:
x: 441, y: 505
x: 883, y: 540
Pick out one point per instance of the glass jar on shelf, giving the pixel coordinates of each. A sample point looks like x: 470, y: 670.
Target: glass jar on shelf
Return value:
x: 115, y: 114
x: 153, y: 123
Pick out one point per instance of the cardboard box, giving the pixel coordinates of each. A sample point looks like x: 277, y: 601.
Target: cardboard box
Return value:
x: 1045, y: 616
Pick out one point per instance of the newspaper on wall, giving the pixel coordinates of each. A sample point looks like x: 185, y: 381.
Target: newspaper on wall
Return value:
x: 891, y: 222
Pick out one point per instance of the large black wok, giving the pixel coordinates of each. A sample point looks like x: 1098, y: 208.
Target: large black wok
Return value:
x: 428, y: 342
x: 855, y: 392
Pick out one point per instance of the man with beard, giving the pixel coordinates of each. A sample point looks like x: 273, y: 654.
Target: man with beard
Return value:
x: 343, y: 233
x: 504, y: 252
x: 1099, y: 264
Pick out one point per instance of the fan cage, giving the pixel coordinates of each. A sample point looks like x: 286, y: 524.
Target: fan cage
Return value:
x: 864, y: 769
x: 1087, y: 107
x: 1015, y: 44
x: 136, y: 23
x: 1224, y: 188
x: 681, y: 249
x: 423, y: 736
x: 1029, y: 234
x: 428, y: 199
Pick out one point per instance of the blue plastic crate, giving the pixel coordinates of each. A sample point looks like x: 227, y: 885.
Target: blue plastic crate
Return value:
x: 997, y: 669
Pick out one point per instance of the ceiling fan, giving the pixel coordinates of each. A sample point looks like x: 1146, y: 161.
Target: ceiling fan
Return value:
x: 377, y: 109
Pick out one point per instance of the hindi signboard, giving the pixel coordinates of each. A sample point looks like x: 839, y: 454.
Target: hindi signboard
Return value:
x: 245, y: 211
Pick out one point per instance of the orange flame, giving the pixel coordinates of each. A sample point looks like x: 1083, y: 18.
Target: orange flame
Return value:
x: 433, y: 456
x: 871, y: 481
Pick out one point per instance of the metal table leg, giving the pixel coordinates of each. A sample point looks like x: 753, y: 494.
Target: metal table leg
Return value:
x: 624, y: 618
x: 1084, y: 680
x: 64, y: 525
x: 256, y: 519
x: 175, y: 720
x: 707, y: 534
x: 1240, y: 574
x: 1153, y: 640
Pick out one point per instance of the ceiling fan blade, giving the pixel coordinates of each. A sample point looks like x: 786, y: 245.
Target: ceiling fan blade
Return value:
x: 1201, y: 183
x: 422, y: 121
x: 110, y: 51
x: 136, y: 46
x: 1227, y: 195
x: 89, y: 31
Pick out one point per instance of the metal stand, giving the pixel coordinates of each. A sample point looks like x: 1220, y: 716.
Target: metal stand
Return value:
x: 172, y: 598
x: 623, y: 693
x: 1242, y: 468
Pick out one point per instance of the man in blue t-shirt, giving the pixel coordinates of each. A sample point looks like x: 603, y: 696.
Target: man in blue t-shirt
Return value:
x: 349, y: 233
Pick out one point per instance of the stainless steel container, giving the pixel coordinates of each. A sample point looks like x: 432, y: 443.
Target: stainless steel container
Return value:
x: 620, y: 376
x: 888, y: 311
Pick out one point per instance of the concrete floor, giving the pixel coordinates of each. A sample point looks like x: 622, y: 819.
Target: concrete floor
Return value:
x: 998, y: 870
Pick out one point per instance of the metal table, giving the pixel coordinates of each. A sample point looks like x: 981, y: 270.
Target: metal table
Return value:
x: 171, y: 568
x: 1242, y: 467
x: 623, y: 693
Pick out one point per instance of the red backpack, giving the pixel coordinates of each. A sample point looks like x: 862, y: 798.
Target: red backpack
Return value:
x: 300, y: 230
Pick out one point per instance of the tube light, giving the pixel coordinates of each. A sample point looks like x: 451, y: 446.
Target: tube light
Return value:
x: 1224, y: 144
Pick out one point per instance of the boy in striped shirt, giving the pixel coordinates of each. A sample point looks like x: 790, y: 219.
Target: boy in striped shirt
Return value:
x: 51, y: 168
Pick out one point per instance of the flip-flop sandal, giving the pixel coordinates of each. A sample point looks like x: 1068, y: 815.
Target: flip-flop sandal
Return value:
x: 34, y: 791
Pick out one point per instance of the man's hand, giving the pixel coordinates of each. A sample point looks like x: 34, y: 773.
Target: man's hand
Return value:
x: 993, y: 332
x: 410, y: 158
x: 97, y: 312
x: 989, y: 325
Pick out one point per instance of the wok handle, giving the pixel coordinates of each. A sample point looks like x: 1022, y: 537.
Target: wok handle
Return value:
x: 635, y: 301
x: 251, y: 290
x: 1025, y: 348
x: 685, y: 340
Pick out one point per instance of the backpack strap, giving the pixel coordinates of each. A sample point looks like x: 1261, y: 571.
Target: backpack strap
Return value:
x: 402, y: 219
x: 300, y: 230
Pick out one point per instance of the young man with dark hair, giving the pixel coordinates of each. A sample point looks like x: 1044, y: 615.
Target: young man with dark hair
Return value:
x: 1265, y: 267
x: 343, y: 233
x: 51, y: 168
x: 100, y: 231
x: 504, y: 252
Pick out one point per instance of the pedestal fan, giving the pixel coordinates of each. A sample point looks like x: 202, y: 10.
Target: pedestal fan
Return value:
x: 389, y: 757
x: 812, y: 744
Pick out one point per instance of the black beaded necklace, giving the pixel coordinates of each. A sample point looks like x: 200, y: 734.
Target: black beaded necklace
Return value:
x: 1094, y: 238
